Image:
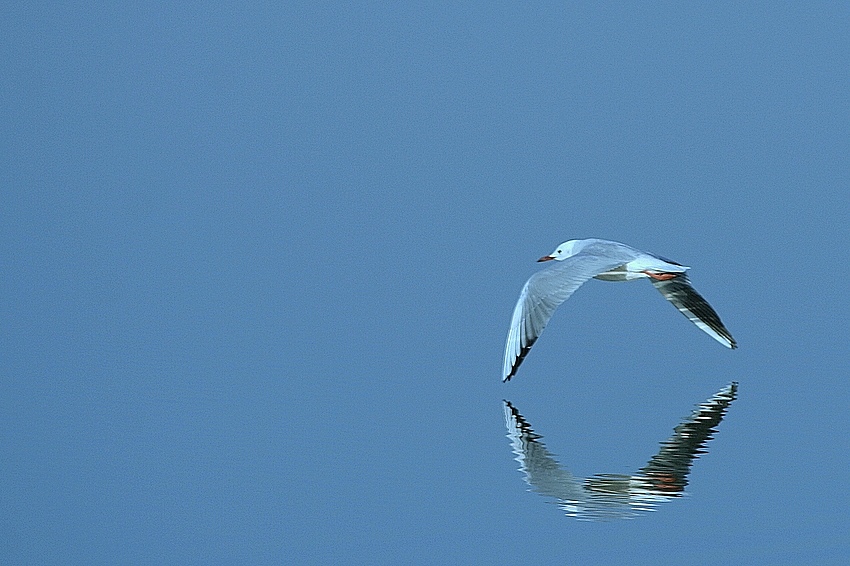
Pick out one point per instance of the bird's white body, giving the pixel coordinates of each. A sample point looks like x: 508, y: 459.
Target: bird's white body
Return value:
x: 634, y: 268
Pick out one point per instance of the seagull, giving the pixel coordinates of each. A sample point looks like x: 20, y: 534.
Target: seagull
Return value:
x: 613, y: 496
x: 581, y: 260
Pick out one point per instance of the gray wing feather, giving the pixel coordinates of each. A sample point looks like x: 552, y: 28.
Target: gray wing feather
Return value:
x: 544, y: 292
x: 684, y: 297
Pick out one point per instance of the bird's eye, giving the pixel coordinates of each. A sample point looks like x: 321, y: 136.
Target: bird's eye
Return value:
x: 559, y: 251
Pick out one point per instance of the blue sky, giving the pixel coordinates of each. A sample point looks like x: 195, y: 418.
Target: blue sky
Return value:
x: 259, y: 263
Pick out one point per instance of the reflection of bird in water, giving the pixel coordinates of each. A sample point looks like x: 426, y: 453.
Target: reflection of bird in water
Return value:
x: 611, y: 496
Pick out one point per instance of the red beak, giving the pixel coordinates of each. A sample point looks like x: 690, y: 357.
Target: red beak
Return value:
x: 545, y: 258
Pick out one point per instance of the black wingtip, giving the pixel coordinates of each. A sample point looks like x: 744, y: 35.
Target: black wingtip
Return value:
x: 518, y: 361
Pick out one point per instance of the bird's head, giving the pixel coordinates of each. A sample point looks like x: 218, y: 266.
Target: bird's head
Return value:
x: 562, y: 252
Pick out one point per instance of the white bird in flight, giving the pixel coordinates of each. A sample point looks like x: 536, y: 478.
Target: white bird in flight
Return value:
x: 580, y: 260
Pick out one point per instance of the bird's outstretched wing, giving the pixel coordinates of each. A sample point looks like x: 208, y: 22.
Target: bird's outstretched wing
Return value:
x: 543, y: 293
x: 684, y: 297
